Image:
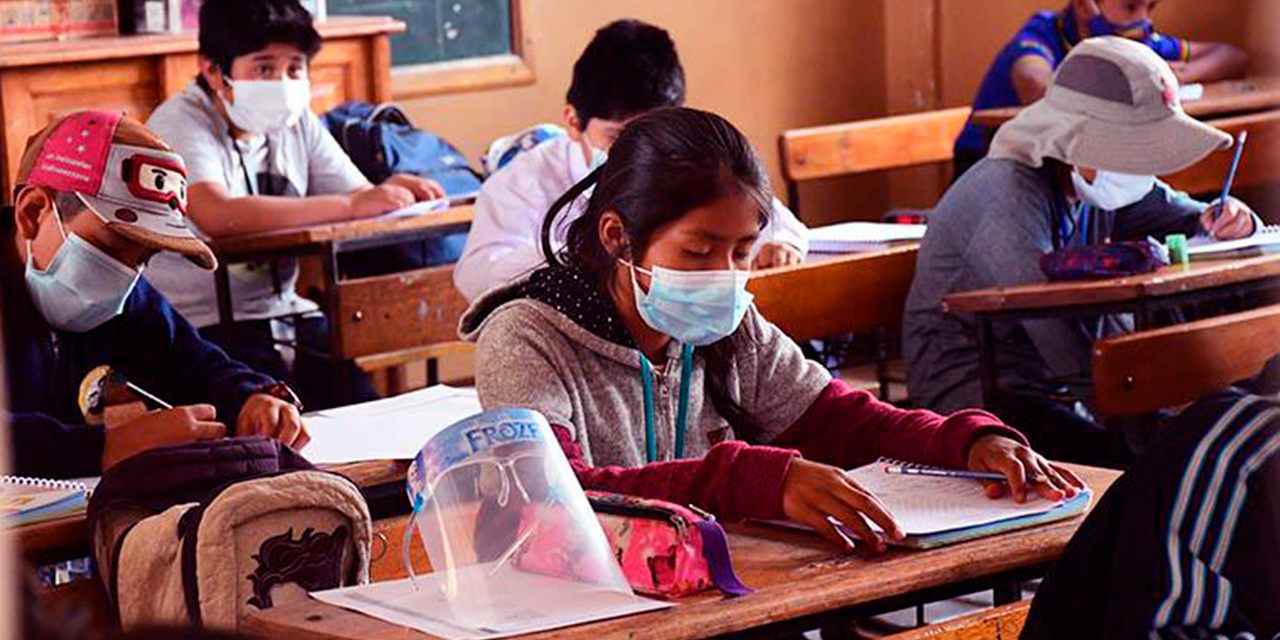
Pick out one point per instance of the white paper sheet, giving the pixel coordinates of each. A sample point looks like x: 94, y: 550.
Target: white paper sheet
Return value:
x: 1190, y: 92
x: 388, y: 429
x: 419, y: 208
x: 431, y: 206
x: 520, y: 603
x: 848, y: 237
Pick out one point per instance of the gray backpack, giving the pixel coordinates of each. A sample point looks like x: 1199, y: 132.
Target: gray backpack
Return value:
x: 204, y: 534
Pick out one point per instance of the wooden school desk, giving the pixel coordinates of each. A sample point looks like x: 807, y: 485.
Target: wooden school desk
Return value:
x: 838, y: 294
x: 1141, y: 295
x: 800, y: 581
x: 1220, y: 98
x: 374, y: 315
x: 40, y: 81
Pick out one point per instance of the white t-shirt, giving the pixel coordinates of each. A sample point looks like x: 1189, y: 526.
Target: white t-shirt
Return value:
x: 303, y: 160
x: 505, y: 241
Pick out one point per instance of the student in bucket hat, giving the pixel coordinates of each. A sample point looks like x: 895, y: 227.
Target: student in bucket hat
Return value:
x: 1077, y: 167
x: 97, y: 195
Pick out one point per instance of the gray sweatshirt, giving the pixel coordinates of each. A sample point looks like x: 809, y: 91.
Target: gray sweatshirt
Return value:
x: 591, y: 386
x: 990, y: 230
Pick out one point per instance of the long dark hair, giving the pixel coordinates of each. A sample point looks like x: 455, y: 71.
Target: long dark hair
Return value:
x: 666, y: 163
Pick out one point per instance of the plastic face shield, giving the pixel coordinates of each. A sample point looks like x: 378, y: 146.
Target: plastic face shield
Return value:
x: 501, y: 515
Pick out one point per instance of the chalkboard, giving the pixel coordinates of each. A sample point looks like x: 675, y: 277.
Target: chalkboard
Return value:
x: 439, y: 30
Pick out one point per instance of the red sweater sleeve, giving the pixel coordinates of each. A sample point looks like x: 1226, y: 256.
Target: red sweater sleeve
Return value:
x: 847, y: 428
x: 734, y: 480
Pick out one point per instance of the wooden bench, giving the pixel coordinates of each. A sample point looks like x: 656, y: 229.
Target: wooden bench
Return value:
x: 1141, y: 372
x: 1259, y: 166
x: 1000, y: 623
x: 867, y: 145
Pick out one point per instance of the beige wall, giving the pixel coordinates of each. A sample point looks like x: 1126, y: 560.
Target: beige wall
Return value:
x: 767, y: 65
x: 972, y: 31
x: 771, y: 65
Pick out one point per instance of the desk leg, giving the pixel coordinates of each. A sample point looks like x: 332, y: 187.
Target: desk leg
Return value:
x: 222, y: 286
x: 882, y: 361
x: 1007, y: 592
x: 1142, y: 316
x: 987, y: 361
x: 331, y: 275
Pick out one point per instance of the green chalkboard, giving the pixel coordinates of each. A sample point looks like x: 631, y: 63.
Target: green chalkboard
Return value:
x: 439, y: 30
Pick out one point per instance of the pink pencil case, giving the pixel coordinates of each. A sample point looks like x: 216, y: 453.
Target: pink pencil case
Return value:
x: 664, y: 549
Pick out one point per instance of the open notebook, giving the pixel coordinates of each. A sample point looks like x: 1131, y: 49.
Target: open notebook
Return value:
x: 32, y: 500
x: 936, y: 511
x: 1264, y: 242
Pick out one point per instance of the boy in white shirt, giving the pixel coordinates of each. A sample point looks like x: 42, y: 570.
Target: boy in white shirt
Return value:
x: 258, y: 159
x: 628, y: 69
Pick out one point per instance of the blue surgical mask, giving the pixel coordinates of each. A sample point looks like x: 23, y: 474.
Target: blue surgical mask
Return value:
x: 695, y: 307
x: 598, y: 157
x: 1141, y: 30
x: 81, y: 288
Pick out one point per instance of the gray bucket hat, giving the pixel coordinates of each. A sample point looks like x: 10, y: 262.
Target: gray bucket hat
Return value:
x: 1112, y: 105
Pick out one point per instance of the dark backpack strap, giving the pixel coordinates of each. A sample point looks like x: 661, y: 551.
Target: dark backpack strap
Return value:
x: 388, y: 113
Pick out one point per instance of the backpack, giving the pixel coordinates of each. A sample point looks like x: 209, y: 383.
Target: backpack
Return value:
x: 205, y: 533
x: 381, y: 141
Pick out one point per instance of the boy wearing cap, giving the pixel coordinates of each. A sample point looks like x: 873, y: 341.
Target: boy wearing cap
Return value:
x: 259, y: 160
x: 97, y: 196
x: 628, y: 69
x: 1021, y: 71
x: 1077, y: 167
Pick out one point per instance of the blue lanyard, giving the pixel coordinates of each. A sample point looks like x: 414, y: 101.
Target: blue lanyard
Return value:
x: 1068, y: 227
x: 682, y: 414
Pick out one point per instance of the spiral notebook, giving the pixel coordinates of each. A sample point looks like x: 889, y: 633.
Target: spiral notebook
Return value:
x: 935, y: 511
x: 31, y: 500
x: 1265, y: 241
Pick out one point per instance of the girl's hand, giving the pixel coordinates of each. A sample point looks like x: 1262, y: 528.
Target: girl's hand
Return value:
x: 1021, y: 467
x: 1235, y: 220
x: 812, y: 492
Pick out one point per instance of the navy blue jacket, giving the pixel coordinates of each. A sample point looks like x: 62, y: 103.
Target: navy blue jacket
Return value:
x: 1186, y: 544
x: 149, y: 342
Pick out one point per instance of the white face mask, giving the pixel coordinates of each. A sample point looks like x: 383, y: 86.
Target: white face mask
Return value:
x: 598, y: 156
x: 81, y: 288
x: 1111, y: 191
x: 266, y: 106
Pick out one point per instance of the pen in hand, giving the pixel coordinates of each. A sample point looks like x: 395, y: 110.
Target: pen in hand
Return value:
x: 115, y: 377
x: 945, y: 473
x: 1231, y: 173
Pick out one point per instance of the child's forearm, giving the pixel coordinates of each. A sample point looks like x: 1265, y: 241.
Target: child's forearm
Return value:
x: 224, y: 217
x: 1212, y: 62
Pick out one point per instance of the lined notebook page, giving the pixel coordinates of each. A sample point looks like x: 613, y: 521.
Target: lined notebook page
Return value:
x: 1268, y: 236
x: 924, y: 505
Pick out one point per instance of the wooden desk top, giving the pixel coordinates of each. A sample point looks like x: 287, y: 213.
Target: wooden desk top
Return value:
x: 1167, y: 281
x: 1232, y: 96
x: 241, y: 247
x: 30, y: 54
x: 72, y: 532
x: 795, y: 574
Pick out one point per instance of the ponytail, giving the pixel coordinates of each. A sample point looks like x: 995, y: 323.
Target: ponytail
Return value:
x: 562, y: 203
